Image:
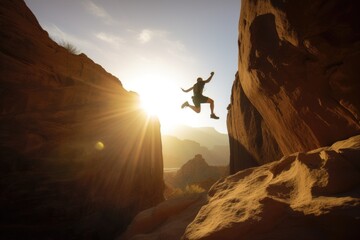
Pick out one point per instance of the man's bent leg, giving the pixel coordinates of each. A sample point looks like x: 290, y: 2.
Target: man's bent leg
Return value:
x: 211, y: 105
x: 212, y: 115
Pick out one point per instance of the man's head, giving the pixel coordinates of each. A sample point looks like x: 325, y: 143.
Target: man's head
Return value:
x: 199, y: 79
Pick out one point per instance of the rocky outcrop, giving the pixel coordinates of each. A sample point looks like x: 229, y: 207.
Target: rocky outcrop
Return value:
x: 168, y: 220
x: 298, y: 78
x: 306, y: 195
x: 197, y: 171
x: 78, y: 157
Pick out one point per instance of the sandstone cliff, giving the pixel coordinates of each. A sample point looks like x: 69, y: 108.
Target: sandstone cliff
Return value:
x: 297, y: 86
x: 78, y: 158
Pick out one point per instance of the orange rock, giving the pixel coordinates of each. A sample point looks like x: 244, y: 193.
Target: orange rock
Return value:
x: 298, y: 70
x: 57, y: 180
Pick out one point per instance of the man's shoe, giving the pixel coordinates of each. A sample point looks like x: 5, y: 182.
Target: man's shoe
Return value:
x: 185, y: 104
x: 214, y: 116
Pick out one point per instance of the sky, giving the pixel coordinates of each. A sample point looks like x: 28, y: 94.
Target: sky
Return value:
x: 155, y: 47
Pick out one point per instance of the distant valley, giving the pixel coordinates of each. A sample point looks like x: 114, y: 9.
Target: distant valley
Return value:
x: 189, y: 141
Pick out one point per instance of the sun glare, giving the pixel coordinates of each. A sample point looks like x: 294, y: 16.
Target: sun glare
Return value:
x: 150, y: 104
x: 161, y: 97
x: 159, y: 87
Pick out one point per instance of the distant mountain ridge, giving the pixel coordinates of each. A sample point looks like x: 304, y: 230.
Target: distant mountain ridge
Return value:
x: 206, y: 136
x: 177, y: 152
x: 184, y: 142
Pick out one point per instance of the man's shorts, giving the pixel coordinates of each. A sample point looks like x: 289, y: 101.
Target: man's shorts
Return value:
x: 197, y: 100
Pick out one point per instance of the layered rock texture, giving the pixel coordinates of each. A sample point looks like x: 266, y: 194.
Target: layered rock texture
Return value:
x: 305, y: 195
x: 297, y: 85
x: 78, y: 157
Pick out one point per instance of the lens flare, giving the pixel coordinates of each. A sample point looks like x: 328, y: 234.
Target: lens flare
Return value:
x: 99, y: 146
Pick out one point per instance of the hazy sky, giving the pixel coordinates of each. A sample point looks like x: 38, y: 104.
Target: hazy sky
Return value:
x: 155, y: 47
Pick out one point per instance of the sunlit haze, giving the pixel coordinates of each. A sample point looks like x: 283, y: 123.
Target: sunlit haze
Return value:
x: 155, y: 48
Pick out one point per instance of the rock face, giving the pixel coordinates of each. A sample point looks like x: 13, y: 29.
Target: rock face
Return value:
x: 297, y: 86
x: 308, y: 195
x: 78, y: 157
x: 251, y: 141
x: 168, y: 220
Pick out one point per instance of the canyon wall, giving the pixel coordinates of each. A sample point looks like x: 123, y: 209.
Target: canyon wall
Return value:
x: 78, y: 158
x: 297, y: 85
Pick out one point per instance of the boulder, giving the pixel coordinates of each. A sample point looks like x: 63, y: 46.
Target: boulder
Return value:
x: 306, y: 195
x: 297, y: 78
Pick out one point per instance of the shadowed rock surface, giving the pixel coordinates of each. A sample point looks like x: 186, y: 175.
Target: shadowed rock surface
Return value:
x: 78, y: 159
x: 250, y: 139
x: 298, y: 85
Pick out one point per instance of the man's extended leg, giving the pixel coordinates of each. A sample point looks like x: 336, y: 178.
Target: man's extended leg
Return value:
x: 194, y: 108
x: 185, y: 104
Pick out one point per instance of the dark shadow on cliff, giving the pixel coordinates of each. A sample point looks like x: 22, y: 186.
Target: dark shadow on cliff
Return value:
x: 251, y: 140
x: 240, y: 157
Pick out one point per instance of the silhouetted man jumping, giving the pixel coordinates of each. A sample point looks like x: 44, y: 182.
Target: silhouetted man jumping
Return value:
x: 199, y: 98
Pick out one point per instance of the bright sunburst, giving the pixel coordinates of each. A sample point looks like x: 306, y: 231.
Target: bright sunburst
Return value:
x: 161, y: 97
x: 151, y: 104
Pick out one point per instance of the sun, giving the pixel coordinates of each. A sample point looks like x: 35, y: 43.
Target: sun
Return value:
x: 161, y: 97
x: 151, y: 104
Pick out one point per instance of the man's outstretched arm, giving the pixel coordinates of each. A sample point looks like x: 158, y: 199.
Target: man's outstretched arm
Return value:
x: 188, y: 90
x: 209, y: 79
